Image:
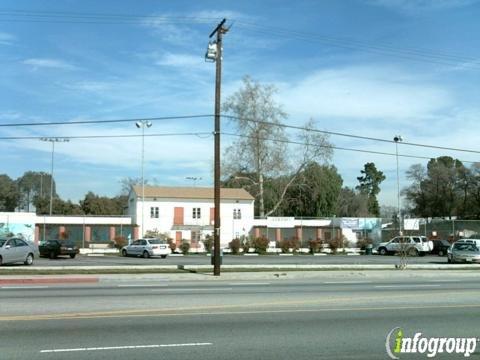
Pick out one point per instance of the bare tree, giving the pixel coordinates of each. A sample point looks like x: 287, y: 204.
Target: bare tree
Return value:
x: 262, y: 149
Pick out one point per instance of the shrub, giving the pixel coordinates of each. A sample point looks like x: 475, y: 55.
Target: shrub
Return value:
x: 286, y: 244
x: 208, y: 243
x: 172, y: 244
x: 119, y: 242
x: 246, y: 244
x: 185, y: 247
x: 315, y: 246
x: 234, y: 246
x: 334, y: 244
x: 260, y: 245
x: 362, y: 243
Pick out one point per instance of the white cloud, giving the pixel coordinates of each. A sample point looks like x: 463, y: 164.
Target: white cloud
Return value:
x: 6, y: 39
x: 37, y: 63
x: 181, y: 60
x: 374, y: 92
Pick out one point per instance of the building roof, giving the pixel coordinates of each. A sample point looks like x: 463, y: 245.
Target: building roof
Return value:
x: 191, y: 193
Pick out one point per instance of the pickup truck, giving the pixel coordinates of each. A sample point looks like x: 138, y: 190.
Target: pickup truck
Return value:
x: 412, y: 245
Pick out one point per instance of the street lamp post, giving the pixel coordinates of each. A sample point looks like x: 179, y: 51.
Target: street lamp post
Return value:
x: 397, y: 139
x: 142, y: 124
x: 53, y: 140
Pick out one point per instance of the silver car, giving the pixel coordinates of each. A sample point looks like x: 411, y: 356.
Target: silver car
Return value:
x: 463, y: 251
x: 147, y: 248
x: 13, y: 250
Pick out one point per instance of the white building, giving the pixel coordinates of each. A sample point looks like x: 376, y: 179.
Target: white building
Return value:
x: 188, y: 212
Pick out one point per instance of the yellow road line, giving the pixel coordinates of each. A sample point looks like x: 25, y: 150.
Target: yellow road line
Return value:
x: 183, y: 311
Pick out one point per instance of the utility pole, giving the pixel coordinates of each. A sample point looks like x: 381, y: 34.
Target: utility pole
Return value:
x: 214, y: 53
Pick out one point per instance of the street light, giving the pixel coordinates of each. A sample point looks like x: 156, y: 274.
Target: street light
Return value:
x: 53, y: 140
x: 194, y: 179
x: 398, y: 138
x: 142, y: 124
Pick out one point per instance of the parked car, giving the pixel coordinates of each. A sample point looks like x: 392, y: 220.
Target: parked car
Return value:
x: 412, y: 245
x: 147, y: 248
x: 54, y: 248
x: 13, y: 250
x: 440, y: 247
x: 463, y: 251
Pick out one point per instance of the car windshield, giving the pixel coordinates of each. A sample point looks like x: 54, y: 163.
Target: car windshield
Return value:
x: 466, y: 247
x: 2, y: 241
x: 156, y: 241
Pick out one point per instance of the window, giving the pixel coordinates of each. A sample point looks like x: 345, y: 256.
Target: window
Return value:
x: 237, y: 214
x: 196, y: 214
x: 154, y: 212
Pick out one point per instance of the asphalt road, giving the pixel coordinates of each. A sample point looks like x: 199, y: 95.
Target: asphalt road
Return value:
x: 232, y: 319
x: 235, y: 260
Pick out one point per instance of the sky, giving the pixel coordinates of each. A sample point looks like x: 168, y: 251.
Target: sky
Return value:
x: 371, y: 68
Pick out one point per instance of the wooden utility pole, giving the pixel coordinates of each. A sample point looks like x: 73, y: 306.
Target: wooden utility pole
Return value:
x: 219, y: 31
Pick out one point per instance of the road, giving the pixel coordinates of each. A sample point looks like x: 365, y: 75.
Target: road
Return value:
x: 315, y: 318
x: 235, y: 260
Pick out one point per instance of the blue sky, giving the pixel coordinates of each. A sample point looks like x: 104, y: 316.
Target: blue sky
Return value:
x: 367, y: 67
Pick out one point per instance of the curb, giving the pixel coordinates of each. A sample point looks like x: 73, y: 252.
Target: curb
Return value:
x: 49, y: 280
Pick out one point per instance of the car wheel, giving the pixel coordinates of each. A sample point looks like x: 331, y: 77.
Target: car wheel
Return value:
x: 1, y: 261
x: 72, y: 256
x: 382, y: 251
x: 413, y: 252
x: 29, y: 260
x: 124, y: 252
x: 164, y: 256
x: 146, y: 254
x: 52, y: 255
x: 440, y: 253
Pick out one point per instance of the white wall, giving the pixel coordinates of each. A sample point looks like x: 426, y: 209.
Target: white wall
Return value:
x: 228, y: 229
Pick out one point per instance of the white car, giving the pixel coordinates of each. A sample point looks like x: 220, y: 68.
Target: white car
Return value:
x: 463, y: 251
x: 14, y: 250
x: 412, y: 245
x: 460, y: 253
x: 147, y: 248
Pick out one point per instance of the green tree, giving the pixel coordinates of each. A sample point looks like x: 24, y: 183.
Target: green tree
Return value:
x: 9, y: 195
x: 314, y: 193
x: 444, y: 188
x: 93, y: 204
x: 33, y: 185
x: 351, y: 203
x: 59, y: 207
x: 370, y: 186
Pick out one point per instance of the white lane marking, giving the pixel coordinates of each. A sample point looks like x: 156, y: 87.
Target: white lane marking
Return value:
x: 348, y: 282
x: 139, y: 285
x: 248, y: 283
x: 193, y: 289
x: 441, y: 281
x: 124, y: 347
x: 406, y: 286
x: 24, y: 287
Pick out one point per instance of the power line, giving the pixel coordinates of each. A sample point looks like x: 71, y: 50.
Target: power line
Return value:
x: 434, y: 56
x: 387, y: 49
x: 349, y: 135
x: 76, y: 122
x: 338, y: 147
x: 204, y: 134
x: 333, y: 133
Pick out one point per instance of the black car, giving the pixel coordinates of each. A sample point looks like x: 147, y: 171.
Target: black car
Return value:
x: 440, y: 247
x: 54, y: 248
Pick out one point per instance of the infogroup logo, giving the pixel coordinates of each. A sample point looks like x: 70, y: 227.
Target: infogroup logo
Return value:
x: 397, y: 343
